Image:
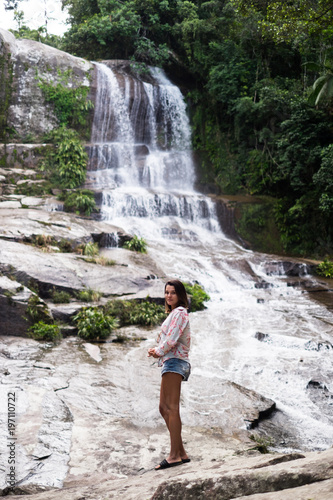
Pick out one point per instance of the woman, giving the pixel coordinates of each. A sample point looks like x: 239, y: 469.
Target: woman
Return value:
x: 172, y: 353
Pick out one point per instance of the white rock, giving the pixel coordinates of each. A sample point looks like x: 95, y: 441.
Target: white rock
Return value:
x: 32, y: 201
x: 10, y: 204
x: 93, y: 351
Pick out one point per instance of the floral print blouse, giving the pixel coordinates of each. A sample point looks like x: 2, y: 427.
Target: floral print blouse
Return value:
x: 175, y: 337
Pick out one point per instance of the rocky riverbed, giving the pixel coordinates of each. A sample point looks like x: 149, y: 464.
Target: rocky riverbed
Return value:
x: 87, y: 414
x: 87, y: 426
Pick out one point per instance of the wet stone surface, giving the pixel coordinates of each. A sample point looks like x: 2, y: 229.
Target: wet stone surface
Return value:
x: 94, y: 407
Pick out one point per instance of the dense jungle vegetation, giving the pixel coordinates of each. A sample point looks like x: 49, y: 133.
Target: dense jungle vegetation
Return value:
x: 259, y: 80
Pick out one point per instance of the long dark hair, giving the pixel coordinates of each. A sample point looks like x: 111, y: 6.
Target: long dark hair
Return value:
x: 180, y: 292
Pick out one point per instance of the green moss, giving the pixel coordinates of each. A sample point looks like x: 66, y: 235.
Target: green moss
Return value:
x: 39, y: 189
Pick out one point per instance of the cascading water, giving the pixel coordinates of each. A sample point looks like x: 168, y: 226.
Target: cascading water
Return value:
x: 140, y: 157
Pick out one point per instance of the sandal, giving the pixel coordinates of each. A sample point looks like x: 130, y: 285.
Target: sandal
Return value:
x: 165, y: 464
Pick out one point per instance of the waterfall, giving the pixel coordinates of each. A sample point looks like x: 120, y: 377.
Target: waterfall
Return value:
x: 141, y: 155
x: 140, y: 158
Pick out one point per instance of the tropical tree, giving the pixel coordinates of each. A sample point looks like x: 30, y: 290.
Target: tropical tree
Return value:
x: 323, y: 87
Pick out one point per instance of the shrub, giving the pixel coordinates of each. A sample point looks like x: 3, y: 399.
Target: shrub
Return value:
x: 262, y: 443
x: 197, y: 295
x: 70, y: 103
x: 136, y: 244
x: 136, y: 313
x: 81, y: 201
x: 44, y: 331
x: 42, y: 240
x: 61, y: 297
x: 91, y: 249
x: 89, y: 295
x: 37, y: 310
x: 67, y: 161
x: 94, y: 324
x: 34, y: 189
x: 65, y: 246
x: 104, y: 261
x: 325, y: 269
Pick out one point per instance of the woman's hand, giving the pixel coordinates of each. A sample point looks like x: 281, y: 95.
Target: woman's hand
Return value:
x: 151, y: 352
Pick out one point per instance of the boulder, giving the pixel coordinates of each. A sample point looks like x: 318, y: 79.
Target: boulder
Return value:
x: 28, y: 112
x: 228, y: 482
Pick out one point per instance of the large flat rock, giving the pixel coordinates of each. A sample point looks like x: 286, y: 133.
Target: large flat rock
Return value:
x: 21, y: 224
x: 46, y: 269
x: 70, y: 271
x: 88, y: 427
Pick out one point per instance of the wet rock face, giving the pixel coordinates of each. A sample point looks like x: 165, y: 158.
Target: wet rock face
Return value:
x: 288, y: 268
x: 13, y: 307
x: 81, y: 417
x: 28, y: 113
x: 25, y: 265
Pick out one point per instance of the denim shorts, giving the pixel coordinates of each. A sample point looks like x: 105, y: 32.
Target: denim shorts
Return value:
x: 176, y: 365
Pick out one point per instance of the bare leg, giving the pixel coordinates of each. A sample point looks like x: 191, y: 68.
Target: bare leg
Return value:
x: 169, y: 409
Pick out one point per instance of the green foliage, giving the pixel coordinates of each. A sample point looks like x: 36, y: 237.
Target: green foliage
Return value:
x: 262, y: 443
x: 67, y: 162
x: 247, y: 68
x: 81, y: 201
x: 37, y: 310
x: 6, y: 91
x: 230, y: 78
x: 299, y: 148
x: 147, y: 52
x: 89, y: 295
x: 136, y: 313
x: 70, y: 103
x: 91, y: 249
x: 197, y: 295
x: 325, y: 269
x: 255, y: 224
x: 44, y: 331
x: 34, y: 189
x: 94, y: 324
x: 136, y: 244
x: 323, y: 179
x: 322, y: 88
x: 61, y: 297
